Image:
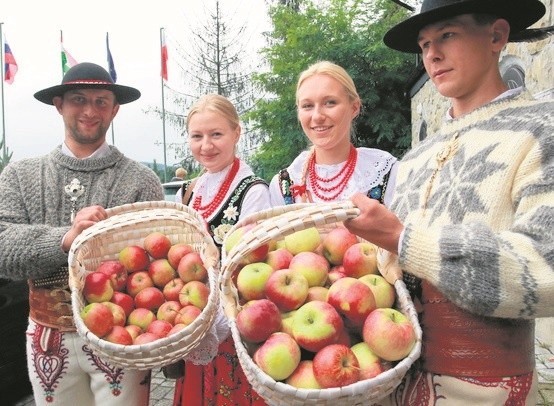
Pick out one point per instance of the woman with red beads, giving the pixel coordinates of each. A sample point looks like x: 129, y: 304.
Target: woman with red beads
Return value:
x: 332, y: 169
x: 226, y: 191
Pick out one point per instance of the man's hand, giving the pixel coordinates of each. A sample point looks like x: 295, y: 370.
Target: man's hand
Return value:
x: 376, y: 223
x: 84, y: 218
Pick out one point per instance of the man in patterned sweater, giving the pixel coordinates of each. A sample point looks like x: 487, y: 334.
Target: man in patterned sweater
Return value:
x: 45, y: 203
x: 472, y: 218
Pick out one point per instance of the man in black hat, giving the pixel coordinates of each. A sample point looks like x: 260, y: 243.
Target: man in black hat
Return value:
x: 472, y: 220
x: 45, y: 203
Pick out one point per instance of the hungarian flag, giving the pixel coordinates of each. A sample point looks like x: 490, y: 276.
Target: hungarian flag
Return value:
x: 164, y: 56
x: 10, y: 65
x: 111, y: 66
x: 67, y: 60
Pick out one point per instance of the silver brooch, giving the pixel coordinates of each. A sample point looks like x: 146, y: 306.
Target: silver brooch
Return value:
x: 74, y: 190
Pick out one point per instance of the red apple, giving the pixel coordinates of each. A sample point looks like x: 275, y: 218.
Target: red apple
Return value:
x: 258, y: 254
x: 133, y: 330
x: 141, y: 317
x: 335, y: 244
x: 257, y: 320
x: 97, y: 287
x: 316, y: 324
x: 150, y: 298
x: 389, y: 334
x: 187, y: 314
x: 314, y: 267
x: 176, y: 252
x: 145, y: 338
x: 161, y: 272
x: 124, y: 300
x: 317, y: 293
x: 168, y: 311
x: 161, y: 328
x: 336, y: 365
x: 336, y: 272
x: 117, y: 273
x: 370, y: 364
x: 137, y: 281
x: 195, y: 293
x: 191, y: 268
x: 251, y: 280
x: 134, y: 258
x: 172, y: 288
x: 352, y: 299
x: 360, y: 259
x: 279, y: 258
x: 119, y: 316
x: 176, y: 328
x: 278, y: 356
x: 98, y: 318
x: 157, y: 244
x: 286, y: 288
x: 119, y: 335
x: 303, y: 376
x: 383, y: 291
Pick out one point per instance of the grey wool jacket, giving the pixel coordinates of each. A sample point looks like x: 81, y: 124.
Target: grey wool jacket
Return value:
x: 35, y: 210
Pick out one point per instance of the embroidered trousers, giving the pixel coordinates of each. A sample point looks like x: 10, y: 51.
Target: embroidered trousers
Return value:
x: 64, y: 371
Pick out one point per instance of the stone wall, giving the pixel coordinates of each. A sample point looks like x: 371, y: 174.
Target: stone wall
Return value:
x: 536, y: 60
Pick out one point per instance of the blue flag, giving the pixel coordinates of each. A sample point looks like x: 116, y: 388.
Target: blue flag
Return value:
x: 111, y: 66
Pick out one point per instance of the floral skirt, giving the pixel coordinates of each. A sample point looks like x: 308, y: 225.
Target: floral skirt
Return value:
x: 221, y: 382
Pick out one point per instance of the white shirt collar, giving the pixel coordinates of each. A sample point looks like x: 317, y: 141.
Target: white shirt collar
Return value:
x: 101, y: 152
x: 507, y: 93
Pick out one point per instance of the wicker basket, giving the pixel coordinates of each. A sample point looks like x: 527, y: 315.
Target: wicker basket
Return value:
x: 126, y: 225
x: 274, y: 224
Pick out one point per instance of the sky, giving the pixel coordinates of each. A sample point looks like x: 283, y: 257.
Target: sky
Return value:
x: 32, y: 30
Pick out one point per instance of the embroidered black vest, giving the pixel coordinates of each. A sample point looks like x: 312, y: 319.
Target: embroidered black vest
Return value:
x: 229, y: 212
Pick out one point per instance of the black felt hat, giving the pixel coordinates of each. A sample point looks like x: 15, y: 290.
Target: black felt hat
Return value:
x: 88, y: 75
x: 519, y: 13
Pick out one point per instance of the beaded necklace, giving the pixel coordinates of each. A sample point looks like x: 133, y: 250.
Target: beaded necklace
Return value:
x: 318, y: 183
x: 207, y: 210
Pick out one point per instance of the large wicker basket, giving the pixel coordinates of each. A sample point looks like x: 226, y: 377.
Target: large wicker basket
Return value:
x: 274, y: 224
x: 127, y: 225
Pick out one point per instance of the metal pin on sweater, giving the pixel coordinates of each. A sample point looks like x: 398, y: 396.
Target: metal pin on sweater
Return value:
x: 74, y: 190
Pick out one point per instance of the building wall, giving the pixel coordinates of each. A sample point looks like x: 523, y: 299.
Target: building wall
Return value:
x: 536, y: 60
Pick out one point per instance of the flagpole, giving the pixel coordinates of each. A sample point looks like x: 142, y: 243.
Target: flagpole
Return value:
x: 163, y: 106
x: 2, y: 80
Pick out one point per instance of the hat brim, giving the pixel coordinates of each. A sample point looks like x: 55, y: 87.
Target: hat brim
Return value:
x: 520, y: 15
x: 123, y: 94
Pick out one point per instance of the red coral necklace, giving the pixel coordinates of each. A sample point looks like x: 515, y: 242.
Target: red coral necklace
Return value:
x: 207, y: 210
x: 318, y: 183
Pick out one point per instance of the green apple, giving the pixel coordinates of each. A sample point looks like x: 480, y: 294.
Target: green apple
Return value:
x: 314, y: 267
x: 278, y: 356
x: 383, y: 291
x: 304, y: 240
x: 257, y: 254
x: 370, y: 364
x: 252, y: 279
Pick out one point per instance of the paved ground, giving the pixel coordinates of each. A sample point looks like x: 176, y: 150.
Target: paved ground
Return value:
x: 162, y: 389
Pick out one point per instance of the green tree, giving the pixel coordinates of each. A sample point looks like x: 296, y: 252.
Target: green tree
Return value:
x: 349, y: 33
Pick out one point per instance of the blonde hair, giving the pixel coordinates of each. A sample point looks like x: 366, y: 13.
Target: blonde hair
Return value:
x: 333, y: 70
x: 217, y: 104
x: 181, y: 173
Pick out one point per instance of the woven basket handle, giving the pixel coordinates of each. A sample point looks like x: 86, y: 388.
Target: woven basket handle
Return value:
x: 131, y: 207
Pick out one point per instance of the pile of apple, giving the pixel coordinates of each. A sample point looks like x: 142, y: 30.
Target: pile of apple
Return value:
x: 314, y: 311
x: 151, y: 291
